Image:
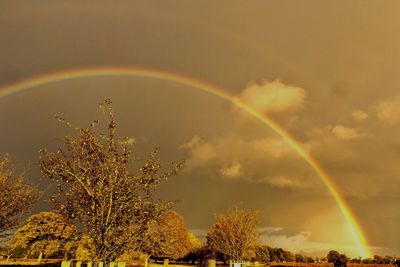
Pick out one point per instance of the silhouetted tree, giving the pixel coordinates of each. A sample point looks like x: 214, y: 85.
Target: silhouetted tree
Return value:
x: 310, y: 259
x: 288, y: 256
x: 262, y: 253
x: 276, y: 254
x: 378, y: 259
x: 367, y: 261
x: 388, y: 260
x: 356, y: 260
x: 195, y: 249
x: 300, y: 258
x: 338, y: 260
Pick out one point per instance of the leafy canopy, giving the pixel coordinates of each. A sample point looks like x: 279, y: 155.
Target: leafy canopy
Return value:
x: 46, y: 232
x: 235, y: 233
x: 97, y: 188
x: 16, y: 196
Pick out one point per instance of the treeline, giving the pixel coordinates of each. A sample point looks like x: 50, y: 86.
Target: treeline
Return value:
x: 265, y: 254
x: 341, y: 260
x: 375, y: 260
x: 50, y: 235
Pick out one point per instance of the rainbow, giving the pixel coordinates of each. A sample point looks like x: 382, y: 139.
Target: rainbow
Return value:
x: 359, y: 237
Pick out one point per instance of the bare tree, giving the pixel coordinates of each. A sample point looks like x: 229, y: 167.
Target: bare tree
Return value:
x: 97, y: 189
x: 16, y: 197
x: 235, y: 233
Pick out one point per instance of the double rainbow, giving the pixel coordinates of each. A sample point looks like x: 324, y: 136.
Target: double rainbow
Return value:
x: 352, y: 223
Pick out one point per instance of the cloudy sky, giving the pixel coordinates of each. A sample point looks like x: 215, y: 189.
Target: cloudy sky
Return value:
x: 326, y: 71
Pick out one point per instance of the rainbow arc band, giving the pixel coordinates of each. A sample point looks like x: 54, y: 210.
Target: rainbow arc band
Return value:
x: 354, y: 226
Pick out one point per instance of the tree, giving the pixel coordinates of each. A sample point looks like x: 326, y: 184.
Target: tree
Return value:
x: 288, y: 256
x: 310, y: 259
x: 16, y: 197
x: 388, y: 260
x: 276, y: 254
x: 234, y: 233
x: 378, y: 259
x: 299, y: 258
x: 169, y: 238
x: 97, y: 188
x: 194, y: 243
x: 195, y: 249
x: 175, y: 239
x: 279, y: 254
x: 46, y: 232
x: 356, y: 260
x: 338, y: 260
x: 262, y: 253
x: 367, y: 261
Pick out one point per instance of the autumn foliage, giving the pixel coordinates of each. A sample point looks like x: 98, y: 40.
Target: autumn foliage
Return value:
x: 16, y: 197
x: 48, y: 233
x: 174, y: 236
x: 98, y: 189
x: 235, y: 233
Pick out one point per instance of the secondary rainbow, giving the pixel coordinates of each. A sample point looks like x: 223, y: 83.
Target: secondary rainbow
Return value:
x: 352, y: 223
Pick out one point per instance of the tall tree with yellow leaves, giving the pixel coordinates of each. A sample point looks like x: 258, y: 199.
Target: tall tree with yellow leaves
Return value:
x: 168, y: 238
x: 98, y: 189
x: 235, y: 233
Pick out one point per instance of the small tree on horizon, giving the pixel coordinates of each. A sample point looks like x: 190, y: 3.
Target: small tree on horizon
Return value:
x: 235, y: 233
x: 262, y: 253
x: 338, y: 260
x: 97, y: 189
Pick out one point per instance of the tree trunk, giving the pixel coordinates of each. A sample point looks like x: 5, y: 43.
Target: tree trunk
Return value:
x: 39, y: 259
x: 146, y: 261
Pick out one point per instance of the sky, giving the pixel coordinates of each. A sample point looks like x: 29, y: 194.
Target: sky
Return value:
x: 325, y: 71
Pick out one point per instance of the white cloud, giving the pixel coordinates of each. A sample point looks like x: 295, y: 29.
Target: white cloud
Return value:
x: 200, y: 152
x: 345, y: 133
x: 286, y: 182
x: 267, y: 160
x: 273, y: 96
x: 359, y: 115
x: 269, y: 230
x: 388, y: 111
x: 276, y: 147
x: 232, y: 171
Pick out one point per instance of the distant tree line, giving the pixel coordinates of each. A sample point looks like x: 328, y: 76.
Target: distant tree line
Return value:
x: 340, y: 260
